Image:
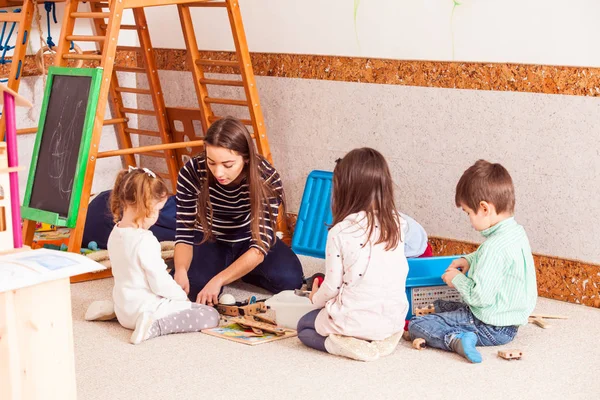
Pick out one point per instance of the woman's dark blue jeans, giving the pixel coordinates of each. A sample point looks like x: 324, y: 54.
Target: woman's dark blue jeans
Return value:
x: 280, y: 270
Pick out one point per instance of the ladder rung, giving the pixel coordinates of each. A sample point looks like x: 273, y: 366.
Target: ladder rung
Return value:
x: 11, y: 17
x: 26, y: 131
x: 114, y: 121
x: 129, y: 48
x: 126, y: 27
x: 132, y: 90
x: 74, y: 56
x: 230, y: 102
x: 216, y: 118
x: 154, y: 154
x: 130, y: 69
x: 142, y: 132
x: 221, y: 82
x: 95, y: 15
x: 86, y: 38
x: 208, y: 4
x: 138, y: 111
x: 217, y: 63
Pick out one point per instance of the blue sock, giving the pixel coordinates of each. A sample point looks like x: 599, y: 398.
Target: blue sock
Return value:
x: 464, y: 344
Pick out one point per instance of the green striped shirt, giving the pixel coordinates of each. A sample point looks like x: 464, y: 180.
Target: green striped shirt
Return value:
x: 500, y: 286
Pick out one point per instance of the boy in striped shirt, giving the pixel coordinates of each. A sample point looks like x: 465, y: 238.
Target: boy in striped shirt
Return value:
x: 497, y: 282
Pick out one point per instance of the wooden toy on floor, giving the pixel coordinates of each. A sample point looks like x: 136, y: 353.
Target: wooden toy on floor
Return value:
x: 540, y: 319
x: 258, y: 327
x: 430, y: 309
x: 227, y: 299
x: 242, y: 310
x: 510, y: 354
x: 419, y: 344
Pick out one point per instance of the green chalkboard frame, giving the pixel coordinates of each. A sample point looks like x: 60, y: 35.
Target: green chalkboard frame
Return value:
x: 84, y: 149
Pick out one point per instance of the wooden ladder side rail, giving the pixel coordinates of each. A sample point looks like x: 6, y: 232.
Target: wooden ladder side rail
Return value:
x: 23, y: 20
x: 243, y: 56
x: 189, y: 35
x: 115, y: 97
x: 256, y: 115
x: 147, y: 51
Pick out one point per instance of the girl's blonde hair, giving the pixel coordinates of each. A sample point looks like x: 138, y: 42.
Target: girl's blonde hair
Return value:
x: 136, y: 188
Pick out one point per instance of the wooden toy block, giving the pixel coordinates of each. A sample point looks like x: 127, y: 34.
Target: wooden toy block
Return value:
x: 249, y: 322
x: 539, y: 322
x: 419, y: 344
x: 546, y: 316
x: 236, y: 311
x: 510, y: 354
x: 430, y: 309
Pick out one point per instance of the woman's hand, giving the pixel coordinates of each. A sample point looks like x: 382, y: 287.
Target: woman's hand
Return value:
x: 210, y: 293
x: 181, y: 277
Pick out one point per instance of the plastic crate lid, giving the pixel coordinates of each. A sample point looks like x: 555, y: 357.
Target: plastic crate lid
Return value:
x: 314, y: 217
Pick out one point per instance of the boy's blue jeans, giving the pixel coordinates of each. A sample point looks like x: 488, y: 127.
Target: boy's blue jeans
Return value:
x: 452, y: 318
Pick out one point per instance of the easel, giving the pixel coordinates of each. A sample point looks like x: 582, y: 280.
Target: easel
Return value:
x: 106, y: 17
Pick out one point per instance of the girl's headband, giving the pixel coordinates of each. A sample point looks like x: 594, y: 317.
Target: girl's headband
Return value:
x: 146, y: 170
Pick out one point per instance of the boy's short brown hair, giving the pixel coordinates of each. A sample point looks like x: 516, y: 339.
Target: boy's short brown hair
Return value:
x: 484, y: 181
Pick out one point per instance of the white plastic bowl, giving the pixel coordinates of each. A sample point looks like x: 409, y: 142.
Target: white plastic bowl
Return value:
x: 289, y: 308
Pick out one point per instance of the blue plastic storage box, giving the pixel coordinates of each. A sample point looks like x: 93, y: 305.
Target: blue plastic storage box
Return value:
x: 424, y: 283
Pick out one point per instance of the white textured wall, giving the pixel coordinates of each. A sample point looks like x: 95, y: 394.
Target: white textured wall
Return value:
x: 430, y: 136
x: 521, y: 31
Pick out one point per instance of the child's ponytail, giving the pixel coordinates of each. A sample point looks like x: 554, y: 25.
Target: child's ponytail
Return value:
x: 117, y: 201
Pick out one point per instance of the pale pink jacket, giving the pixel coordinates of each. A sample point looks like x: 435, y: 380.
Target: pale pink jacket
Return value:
x: 363, y: 294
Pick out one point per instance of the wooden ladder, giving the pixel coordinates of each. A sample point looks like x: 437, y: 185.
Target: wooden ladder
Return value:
x: 242, y: 64
x: 23, y: 20
x: 106, y: 17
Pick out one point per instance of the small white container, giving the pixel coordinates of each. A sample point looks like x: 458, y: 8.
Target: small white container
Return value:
x: 289, y: 308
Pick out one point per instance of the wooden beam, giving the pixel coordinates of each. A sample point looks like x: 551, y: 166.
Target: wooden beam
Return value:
x: 152, y: 148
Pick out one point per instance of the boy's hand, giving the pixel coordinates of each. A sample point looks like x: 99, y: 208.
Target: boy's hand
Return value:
x: 460, y: 264
x: 449, y: 275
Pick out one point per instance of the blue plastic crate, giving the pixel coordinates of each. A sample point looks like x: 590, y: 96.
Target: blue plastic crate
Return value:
x: 314, y: 218
x: 424, y: 283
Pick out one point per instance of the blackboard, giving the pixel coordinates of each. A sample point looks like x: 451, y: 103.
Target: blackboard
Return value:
x: 62, y: 145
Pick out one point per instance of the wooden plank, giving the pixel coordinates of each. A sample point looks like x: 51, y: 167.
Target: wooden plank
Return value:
x: 37, y: 334
x: 152, y: 148
x: 10, y: 17
x: 209, y: 4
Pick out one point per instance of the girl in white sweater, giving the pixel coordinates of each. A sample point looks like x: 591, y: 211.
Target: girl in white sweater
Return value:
x: 146, y: 298
x: 363, y: 295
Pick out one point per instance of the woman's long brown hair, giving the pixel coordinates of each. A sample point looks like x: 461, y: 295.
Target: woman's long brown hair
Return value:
x: 231, y: 134
x: 362, y: 182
